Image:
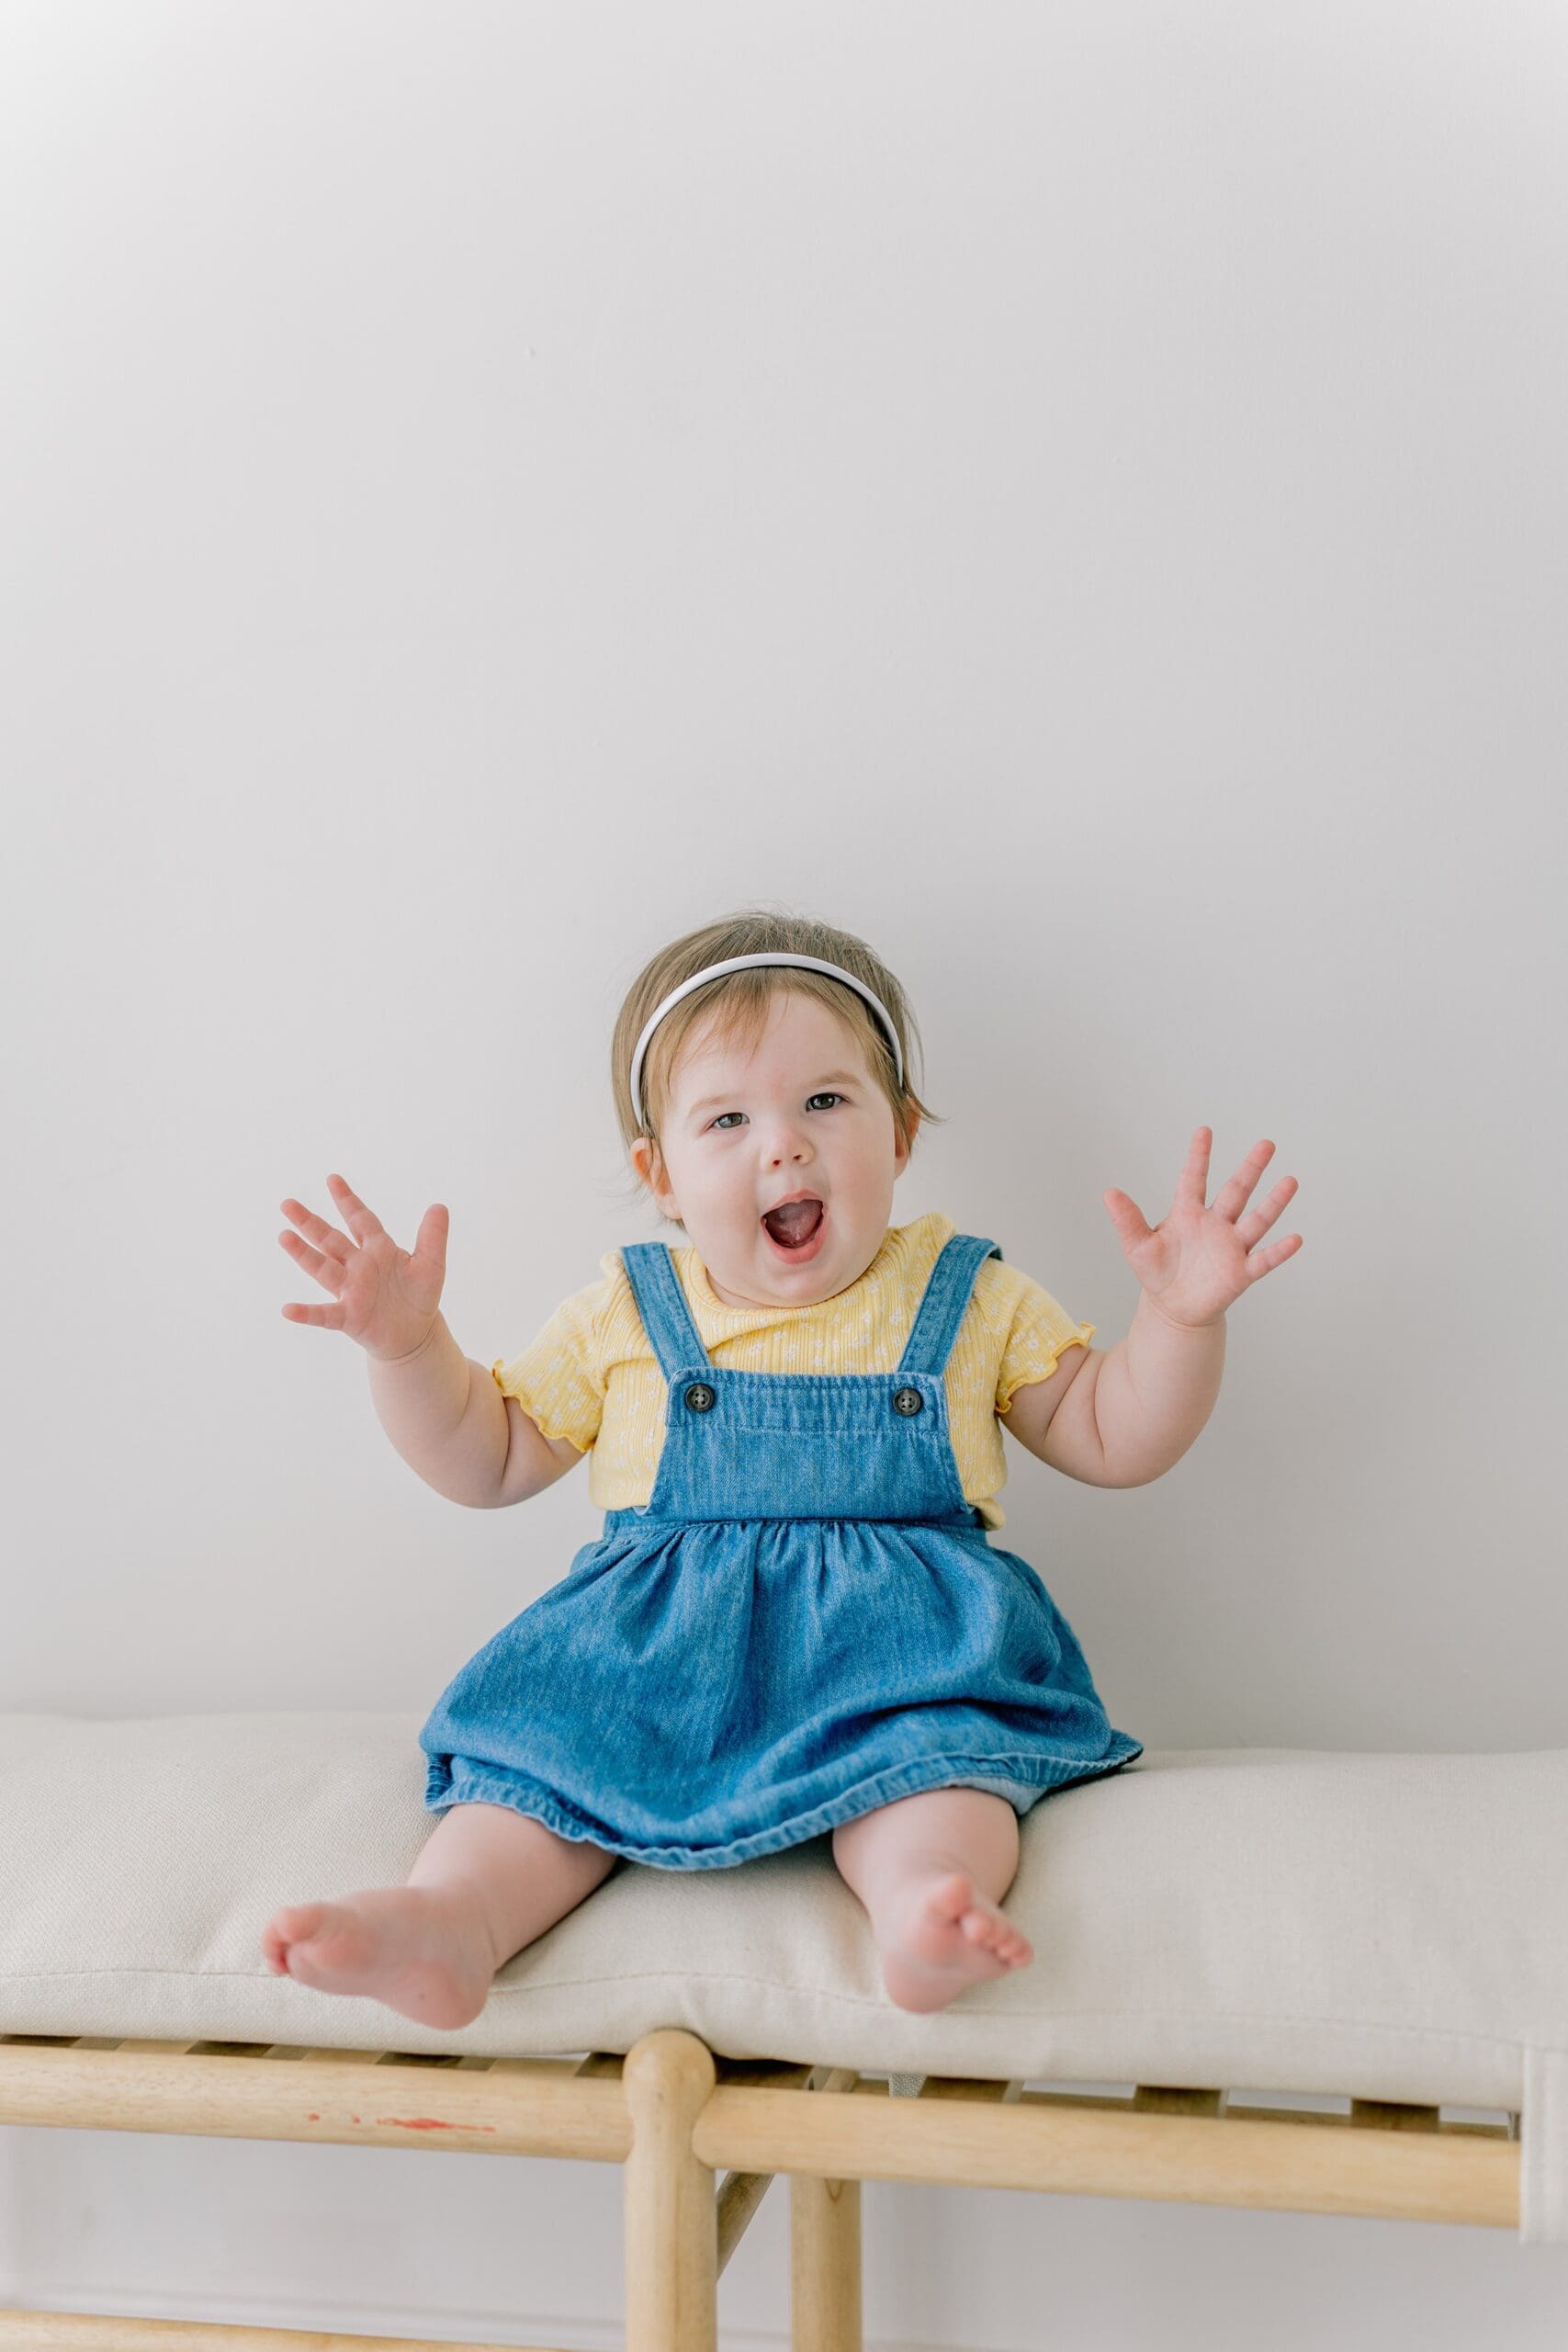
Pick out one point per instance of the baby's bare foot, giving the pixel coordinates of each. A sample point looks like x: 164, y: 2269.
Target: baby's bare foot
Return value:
x: 415, y: 1948
x: 940, y: 1934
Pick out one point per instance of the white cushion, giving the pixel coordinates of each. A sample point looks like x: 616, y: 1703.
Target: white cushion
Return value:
x: 1380, y: 1926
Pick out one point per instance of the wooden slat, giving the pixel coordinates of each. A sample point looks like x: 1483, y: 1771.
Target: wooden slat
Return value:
x: 740, y: 2194
x: 833, y: 2078
x: 1401, y: 2159
x: 601, y: 2065
x: 1387, y: 2115
x: 363, y: 2098
x: 79, y: 2332
x: 1110, y: 2148
x: 768, y: 2072
x: 561, y: 2070
x: 984, y: 2092
x: 1157, y: 2100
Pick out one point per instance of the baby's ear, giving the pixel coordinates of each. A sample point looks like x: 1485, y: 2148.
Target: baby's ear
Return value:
x: 647, y: 1166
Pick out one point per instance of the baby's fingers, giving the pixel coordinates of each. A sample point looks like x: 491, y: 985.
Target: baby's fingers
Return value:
x: 326, y: 1318
x: 362, y: 1222
x: 329, y: 1272
x: 430, y: 1241
x: 336, y: 1244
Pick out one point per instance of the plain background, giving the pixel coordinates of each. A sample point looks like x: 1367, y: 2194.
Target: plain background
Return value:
x: 1075, y: 495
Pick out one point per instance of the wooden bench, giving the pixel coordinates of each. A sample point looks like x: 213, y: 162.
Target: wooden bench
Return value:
x: 1391, y: 1930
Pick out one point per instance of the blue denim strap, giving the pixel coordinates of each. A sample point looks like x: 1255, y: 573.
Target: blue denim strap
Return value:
x: 941, y: 1308
x: 661, y: 1303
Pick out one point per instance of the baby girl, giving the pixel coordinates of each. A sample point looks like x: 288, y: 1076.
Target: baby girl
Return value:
x: 795, y: 1621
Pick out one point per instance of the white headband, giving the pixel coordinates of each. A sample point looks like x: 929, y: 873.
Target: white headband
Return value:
x: 739, y: 964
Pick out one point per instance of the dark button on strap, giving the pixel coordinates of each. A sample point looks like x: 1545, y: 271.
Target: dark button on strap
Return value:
x: 909, y: 1400
x: 699, y: 1397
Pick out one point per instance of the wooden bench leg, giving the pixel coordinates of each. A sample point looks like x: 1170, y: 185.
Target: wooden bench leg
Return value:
x: 825, y: 2264
x: 672, y: 2205
x: 824, y: 2253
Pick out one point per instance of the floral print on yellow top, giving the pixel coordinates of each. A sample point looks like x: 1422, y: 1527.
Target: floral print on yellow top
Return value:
x: 591, y: 1376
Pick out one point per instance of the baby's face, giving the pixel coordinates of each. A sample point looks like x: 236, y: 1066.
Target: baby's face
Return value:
x: 801, y: 1114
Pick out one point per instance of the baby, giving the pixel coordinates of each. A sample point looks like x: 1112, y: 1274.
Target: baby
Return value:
x: 795, y: 1621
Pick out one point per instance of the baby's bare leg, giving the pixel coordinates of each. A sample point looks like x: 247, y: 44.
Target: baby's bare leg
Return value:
x: 930, y: 1870
x: 486, y: 1883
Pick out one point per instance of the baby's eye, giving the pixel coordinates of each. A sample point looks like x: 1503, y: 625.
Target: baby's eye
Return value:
x: 827, y: 1095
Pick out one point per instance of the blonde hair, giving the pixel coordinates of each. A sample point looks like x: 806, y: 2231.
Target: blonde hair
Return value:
x: 739, y: 1005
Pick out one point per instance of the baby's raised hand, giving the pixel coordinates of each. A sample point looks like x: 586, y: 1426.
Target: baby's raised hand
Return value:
x: 385, y: 1298
x: 1198, y: 1258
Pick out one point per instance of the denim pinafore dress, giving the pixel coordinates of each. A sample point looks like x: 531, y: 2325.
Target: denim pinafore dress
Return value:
x: 804, y: 1621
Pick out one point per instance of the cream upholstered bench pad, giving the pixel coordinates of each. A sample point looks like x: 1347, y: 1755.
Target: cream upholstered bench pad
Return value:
x: 1380, y: 1926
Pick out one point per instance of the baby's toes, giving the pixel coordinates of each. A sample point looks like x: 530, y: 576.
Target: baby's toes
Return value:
x: 993, y: 1933
x: 1014, y: 1947
x: 290, y: 1927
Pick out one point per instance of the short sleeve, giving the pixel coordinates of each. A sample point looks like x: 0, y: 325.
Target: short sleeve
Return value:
x: 1040, y: 1329
x: 558, y: 1380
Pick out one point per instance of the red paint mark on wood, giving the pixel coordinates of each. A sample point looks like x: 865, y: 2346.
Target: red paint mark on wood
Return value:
x: 429, y: 2123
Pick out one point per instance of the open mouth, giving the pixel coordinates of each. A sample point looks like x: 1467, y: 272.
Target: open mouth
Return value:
x: 796, y: 1230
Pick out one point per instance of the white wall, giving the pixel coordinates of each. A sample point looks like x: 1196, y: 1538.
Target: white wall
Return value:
x: 1075, y: 495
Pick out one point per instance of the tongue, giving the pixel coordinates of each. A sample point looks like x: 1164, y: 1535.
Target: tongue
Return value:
x: 795, y: 1223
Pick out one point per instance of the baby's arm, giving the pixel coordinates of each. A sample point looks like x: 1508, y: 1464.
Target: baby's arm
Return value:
x: 450, y: 1422
x: 1155, y: 1391
x: 1054, y: 1418
x: 1121, y: 1418
x: 533, y: 1460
